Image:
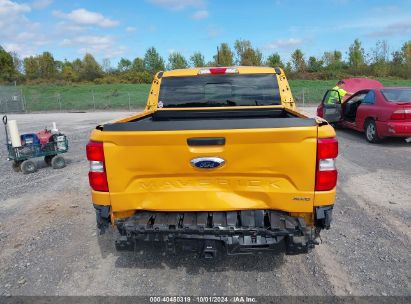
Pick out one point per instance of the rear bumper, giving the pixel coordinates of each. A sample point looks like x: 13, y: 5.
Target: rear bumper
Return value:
x: 394, y: 128
x: 211, y: 234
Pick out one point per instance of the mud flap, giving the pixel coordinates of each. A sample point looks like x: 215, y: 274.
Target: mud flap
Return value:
x: 323, y: 217
x: 102, y: 217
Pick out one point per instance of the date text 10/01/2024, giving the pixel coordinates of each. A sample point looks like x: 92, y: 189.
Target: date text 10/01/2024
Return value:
x: 199, y: 299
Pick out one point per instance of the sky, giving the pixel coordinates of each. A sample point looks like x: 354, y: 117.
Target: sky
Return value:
x: 126, y: 28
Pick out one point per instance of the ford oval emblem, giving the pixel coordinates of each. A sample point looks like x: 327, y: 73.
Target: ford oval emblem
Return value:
x: 207, y: 162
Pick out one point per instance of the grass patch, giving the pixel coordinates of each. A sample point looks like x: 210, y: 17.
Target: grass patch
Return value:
x: 85, y: 96
x: 118, y: 96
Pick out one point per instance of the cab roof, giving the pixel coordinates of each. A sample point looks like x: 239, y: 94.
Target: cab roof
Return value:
x: 240, y: 69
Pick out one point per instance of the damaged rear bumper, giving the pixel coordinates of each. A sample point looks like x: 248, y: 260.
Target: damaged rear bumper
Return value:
x: 213, y: 233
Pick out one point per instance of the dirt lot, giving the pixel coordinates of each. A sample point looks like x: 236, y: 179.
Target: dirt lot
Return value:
x: 49, y: 244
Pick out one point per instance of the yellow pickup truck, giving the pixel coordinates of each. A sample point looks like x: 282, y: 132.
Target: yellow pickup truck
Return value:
x: 220, y: 162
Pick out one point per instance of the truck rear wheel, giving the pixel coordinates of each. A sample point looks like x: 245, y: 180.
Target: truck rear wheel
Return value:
x: 28, y: 166
x: 58, y: 162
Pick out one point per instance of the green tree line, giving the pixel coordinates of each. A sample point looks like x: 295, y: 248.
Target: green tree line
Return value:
x: 43, y: 68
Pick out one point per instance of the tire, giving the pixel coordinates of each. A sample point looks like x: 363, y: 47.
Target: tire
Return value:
x: 58, y: 162
x: 16, y: 166
x: 48, y: 159
x: 371, y: 133
x: 28, y: 166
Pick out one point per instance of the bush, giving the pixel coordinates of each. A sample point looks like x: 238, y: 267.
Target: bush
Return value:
x: 126, y: 77
x: 137, y: 77
x: 108, y: 79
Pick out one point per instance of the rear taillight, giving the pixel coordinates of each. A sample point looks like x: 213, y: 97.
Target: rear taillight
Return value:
x: 97, y: 174
x: 95, y: 151
x: 326, y: 173
x: 401, y: 114
x: 320, y: 111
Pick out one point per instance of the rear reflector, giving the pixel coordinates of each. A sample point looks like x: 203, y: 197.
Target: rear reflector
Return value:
x: 327, y: 148
x: 95, y: 151
x: 98, y: 181
x: 326, y: 180
x: 326, y: 173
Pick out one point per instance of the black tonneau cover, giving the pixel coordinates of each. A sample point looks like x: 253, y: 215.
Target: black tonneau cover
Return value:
x: 212, y: 120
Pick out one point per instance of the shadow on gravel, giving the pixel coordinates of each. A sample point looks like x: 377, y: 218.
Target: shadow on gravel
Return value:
x: 360, y: 137
x: 389, y: 154
x: 41, y: 164
x: 154, y: 256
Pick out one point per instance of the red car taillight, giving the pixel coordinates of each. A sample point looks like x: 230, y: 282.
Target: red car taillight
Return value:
x: 326, y: 173
x: 320, y: 111
x: 97, y: 175
x: 401, y: 114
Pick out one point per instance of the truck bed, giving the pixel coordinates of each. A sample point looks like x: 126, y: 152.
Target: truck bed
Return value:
x: 174, y: 120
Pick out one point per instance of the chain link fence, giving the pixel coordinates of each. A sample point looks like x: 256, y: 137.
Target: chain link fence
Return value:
x: 306, y: 97
x: 87, y: 101
x: 11, y: 99
x: 15, y: 100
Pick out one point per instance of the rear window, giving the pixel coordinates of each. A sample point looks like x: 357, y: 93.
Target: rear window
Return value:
x: 219, y: 90
x: 397, y: 95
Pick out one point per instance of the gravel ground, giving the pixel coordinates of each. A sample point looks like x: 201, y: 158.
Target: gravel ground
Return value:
x: 49, y: 244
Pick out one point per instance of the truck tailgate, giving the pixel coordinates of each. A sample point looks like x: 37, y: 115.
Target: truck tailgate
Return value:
x: 265, y: 168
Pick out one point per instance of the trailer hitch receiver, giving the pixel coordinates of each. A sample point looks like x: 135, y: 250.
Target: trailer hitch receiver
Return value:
x: 209, y: 250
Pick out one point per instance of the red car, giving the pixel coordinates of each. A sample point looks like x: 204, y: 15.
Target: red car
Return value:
x: 376, y: 110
